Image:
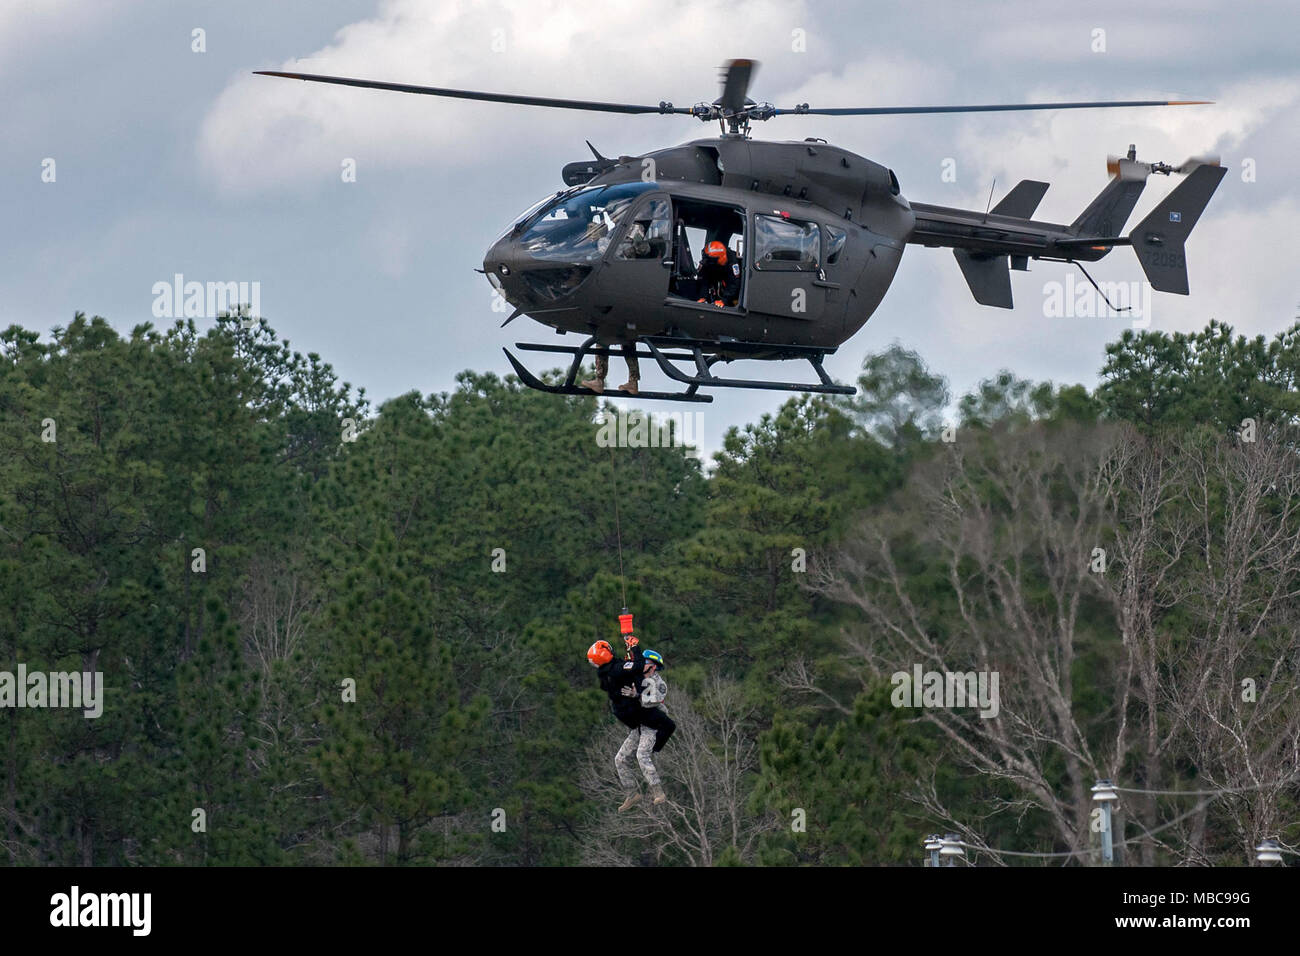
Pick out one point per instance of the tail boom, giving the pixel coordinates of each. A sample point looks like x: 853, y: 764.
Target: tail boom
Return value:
x: 988, y: 245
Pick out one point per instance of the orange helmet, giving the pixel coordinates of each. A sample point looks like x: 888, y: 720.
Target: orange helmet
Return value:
x: 600, y: 653
x: 717, y: 252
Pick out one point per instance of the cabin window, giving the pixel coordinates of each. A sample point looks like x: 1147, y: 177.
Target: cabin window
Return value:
x: 650, y: 232
x: 789, y: 245
x: 577, y: 225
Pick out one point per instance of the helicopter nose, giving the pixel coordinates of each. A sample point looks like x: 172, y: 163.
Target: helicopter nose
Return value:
x: 527, y: 281
x: 501, y: 266
x: 496, y: 261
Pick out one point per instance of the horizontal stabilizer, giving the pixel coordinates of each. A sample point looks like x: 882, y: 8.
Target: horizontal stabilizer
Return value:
x: 1158, y: 239
x: 1021, y: 201
x: 989, y: 277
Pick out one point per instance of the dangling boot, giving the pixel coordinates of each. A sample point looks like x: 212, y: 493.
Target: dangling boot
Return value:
x: 632, y: 800
x: 633, y: 371
x: 657, y: 792
x: 597, y: 384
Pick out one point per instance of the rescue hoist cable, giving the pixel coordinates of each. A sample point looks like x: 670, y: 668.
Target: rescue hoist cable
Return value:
x: 618, y: 530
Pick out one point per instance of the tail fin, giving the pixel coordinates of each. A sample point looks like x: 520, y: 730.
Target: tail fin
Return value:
x: 989, y: 277
x: 1158, y: 239
x: 1106, y: 215
x: 1021, y: 201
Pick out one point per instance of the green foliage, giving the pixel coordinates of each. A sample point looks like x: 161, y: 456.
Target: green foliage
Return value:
x: 899, y: 401
x: 451, y: 556
x: 1205, y: 378
x: 848, y: 777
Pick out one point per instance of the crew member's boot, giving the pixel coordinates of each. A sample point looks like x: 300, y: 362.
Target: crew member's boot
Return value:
x: 632, y: 800
x: 597, y: 384
x: 657, y: 792
x: 633, y: 371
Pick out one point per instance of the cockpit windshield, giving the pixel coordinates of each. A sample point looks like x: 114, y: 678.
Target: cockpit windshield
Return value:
x: 577, y: 226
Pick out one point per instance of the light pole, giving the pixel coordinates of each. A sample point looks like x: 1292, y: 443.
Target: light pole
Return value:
x: 1103, y: 792
x: 933, y: 844
x: 1269, y: 851
x: 950, y: 848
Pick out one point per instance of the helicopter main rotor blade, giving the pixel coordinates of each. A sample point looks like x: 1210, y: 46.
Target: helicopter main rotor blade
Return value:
x: 477, y: 95
x: 736, y: 77
x: 803, y: 110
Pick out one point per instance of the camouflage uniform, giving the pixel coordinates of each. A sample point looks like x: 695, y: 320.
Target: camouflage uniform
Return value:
x: 602, y: 370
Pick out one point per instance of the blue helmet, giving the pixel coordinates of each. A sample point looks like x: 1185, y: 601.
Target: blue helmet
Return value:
x: 653, y: 657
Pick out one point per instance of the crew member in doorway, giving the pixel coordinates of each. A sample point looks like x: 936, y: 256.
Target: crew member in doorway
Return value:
x: 719, y: 276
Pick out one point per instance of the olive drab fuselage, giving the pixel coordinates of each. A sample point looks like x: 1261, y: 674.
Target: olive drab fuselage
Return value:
x: 807, y: 236
x: 846, y: 209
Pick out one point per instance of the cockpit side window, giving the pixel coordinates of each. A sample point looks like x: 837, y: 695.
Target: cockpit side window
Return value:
x: 649, y: 233
x: 785, y: 245
x: 577, y: 226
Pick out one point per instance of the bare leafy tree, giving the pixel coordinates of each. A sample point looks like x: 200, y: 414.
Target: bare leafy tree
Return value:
x: 1163, y: 570
x: 1012, y: 521
x: 707, y: 768
x: 1232, y: 688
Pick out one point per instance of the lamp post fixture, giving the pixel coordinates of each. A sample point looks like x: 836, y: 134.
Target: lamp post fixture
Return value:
x: 933, y: 844
x: 1269, y: 851
x: 950, y: 848
x: 1103, y: 792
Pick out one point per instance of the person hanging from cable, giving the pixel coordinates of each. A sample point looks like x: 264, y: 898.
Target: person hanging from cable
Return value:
x: 654, y: 691
x: 621, y: 681
x: 642, y: 739
x: 636, y: 695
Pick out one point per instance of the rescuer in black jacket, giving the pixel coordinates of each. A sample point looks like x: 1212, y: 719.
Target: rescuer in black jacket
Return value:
x: 621, y: 680
x: 719, y: 276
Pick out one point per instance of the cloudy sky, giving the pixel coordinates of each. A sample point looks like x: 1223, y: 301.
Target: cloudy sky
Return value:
x: 168, y: 160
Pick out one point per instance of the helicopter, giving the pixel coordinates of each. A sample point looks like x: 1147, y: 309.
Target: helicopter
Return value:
x: 812, y: 233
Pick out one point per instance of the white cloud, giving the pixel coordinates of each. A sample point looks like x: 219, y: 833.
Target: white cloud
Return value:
x: 263, y: 132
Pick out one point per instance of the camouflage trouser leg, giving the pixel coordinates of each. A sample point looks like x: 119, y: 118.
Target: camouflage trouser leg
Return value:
x: 623, y: 760
x: 633, y: 366
x: 644, y: 753
x: 602, y: 366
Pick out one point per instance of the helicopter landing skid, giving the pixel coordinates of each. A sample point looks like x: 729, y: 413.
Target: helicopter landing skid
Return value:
x: 568, y: 386
x: 738, y: 349
x: 703, y: 366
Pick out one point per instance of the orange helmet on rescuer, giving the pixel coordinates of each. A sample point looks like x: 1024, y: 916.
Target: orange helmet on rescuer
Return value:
x: 600, y: 653
x: 717, y: 252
